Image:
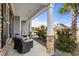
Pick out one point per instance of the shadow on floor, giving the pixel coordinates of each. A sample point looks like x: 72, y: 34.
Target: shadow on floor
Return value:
x: 40, y: 41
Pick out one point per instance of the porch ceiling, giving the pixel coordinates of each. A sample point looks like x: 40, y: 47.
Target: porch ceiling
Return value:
x: 27, y: 10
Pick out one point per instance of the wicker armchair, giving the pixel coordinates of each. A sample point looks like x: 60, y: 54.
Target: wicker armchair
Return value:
x: 21, y: 44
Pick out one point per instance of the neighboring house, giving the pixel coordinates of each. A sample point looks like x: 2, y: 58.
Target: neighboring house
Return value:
x: 60, y: 26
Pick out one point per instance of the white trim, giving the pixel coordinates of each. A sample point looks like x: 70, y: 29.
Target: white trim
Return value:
x: 38, y: 13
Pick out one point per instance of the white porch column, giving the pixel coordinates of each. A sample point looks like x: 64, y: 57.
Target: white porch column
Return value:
x: 20, y: 26
x: 30, y: 23
x: 50, y: 32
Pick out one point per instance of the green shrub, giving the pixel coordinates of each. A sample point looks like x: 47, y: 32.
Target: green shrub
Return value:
x: 41, y: 32
x: 64, y: 42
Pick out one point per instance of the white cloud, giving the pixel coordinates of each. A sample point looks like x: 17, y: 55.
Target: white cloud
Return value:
x: 36, y: 22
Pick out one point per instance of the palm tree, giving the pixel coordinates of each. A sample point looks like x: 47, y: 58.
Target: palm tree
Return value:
x: 73, y: 7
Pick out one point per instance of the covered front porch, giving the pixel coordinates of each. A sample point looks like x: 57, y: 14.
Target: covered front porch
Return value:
x: 21, y: 23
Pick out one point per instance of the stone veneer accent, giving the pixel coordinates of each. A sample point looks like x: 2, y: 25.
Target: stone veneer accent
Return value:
x: 6, y: 48
x: 50, y: 44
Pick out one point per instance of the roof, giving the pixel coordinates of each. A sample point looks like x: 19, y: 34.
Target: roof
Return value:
x: 61, y: 26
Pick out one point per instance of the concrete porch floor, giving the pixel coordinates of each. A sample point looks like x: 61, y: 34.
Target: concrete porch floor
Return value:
x: 37, y: 50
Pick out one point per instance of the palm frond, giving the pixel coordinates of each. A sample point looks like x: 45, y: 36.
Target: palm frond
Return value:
x: 64, y: 9
x: 74, y: 6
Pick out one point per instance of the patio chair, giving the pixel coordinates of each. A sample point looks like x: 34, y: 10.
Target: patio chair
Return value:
x: 21, y: 44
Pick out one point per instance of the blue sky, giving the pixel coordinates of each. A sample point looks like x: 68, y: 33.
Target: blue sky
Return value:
x: 57, y: 18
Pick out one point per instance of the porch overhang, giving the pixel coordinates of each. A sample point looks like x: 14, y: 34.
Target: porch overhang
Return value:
x: 28, y: 11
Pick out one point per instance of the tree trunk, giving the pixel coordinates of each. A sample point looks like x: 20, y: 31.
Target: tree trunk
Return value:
x: 74, y: 26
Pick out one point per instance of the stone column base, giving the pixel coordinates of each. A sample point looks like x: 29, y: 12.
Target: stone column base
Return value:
x: 50, y: 44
